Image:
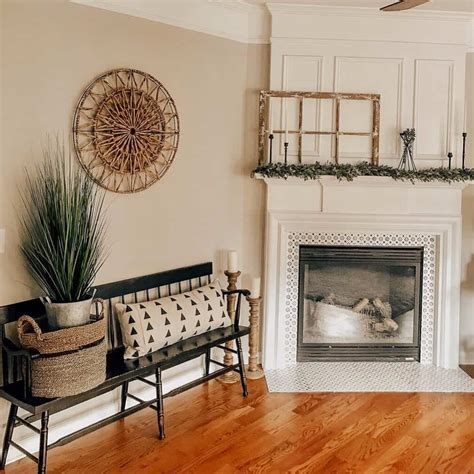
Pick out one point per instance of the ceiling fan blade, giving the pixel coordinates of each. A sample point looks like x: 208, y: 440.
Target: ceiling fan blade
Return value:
x: 403, y: 5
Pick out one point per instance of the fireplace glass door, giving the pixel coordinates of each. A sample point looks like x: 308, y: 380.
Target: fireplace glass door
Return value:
x: 359, y: 303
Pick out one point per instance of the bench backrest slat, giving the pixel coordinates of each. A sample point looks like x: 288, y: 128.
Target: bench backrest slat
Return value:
x: 131, y: 290
x: 143, y: 283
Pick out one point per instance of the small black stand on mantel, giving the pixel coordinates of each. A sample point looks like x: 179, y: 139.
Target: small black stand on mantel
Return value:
x: 286, y: 152
x: 464, y: 136
x: 450, y: 158
x: 270, y: 147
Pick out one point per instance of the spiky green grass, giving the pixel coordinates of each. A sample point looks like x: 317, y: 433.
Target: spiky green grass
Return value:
x: 63, y: 226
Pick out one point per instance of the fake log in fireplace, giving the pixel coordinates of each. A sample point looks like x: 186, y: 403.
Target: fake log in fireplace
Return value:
x: 359, y: 303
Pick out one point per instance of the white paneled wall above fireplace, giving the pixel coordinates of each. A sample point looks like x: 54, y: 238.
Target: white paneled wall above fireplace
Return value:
x: 416, y: 62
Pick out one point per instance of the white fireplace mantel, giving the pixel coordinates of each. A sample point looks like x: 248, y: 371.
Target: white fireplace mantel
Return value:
x: 366, y: 208
x: 367, y: 194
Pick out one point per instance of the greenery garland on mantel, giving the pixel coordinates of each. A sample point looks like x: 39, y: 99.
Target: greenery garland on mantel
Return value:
x: 348, y: 172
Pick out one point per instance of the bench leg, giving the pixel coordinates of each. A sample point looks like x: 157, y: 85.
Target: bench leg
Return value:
x: 43, y: 451
x: 208, y: 361
x: 159, y: 397
x: 8, y: 434
x: 243, y: 378
x: 123, y: 396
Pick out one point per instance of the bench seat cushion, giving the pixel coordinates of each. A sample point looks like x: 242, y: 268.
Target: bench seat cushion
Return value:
x: 149, y: 326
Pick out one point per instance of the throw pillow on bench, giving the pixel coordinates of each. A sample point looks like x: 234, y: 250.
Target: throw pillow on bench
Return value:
x: 151, y: 325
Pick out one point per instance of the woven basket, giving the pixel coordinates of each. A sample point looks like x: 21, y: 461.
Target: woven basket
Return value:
x: 70, y: 361
x: 63, y: 340
x: 68, y: 374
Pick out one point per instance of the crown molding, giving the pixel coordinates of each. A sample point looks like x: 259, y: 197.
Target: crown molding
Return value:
x: 366, y: 12
x: 335, y: 23
x: 233, y: 20
x: 244, y: 22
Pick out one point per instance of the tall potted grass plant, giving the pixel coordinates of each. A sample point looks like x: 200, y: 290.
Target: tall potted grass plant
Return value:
x: 63, y: 229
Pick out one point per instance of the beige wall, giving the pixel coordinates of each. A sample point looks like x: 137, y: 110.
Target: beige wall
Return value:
x: 206, y: 203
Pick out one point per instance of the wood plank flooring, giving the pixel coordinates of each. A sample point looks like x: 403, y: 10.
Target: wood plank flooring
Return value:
x: 212, y: 429
x: 469, y: 369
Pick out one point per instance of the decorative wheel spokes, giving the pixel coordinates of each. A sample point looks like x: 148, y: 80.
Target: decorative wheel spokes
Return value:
x: 126, y: 130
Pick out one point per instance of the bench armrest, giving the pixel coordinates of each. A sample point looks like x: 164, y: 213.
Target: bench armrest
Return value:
x: 239, y: 294
x: 16, y: 365
x: 233, y: 292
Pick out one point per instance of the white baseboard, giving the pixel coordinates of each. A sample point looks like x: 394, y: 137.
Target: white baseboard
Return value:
x: 467, y: 360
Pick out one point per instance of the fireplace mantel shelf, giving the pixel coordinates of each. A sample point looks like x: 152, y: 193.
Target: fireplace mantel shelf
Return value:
x: 363, y: 181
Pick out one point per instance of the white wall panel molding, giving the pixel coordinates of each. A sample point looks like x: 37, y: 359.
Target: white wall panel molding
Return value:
x: 380, y: 75
x: 303, y: 73
x: 433, y: 107
x: 430, y: 99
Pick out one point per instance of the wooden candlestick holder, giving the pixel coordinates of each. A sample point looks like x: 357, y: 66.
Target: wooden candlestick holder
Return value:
x: 253, y: 370
x: 230, y: 377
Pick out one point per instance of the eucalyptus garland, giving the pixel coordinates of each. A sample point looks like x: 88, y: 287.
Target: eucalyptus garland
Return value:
x: 348, y: 172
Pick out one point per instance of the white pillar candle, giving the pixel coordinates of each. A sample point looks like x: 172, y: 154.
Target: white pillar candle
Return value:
x: 232, y: 261
x: 2, y: 240
x: 285, y: 117
x: 255, y: 288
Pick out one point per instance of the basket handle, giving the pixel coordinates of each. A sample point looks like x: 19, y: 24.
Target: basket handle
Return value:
x: 95, y: 303
x: 23, y: 323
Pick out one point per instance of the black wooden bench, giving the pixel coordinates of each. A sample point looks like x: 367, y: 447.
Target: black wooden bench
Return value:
x: 120, y: 372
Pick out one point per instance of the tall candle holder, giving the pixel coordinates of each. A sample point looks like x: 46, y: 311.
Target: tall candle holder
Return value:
x: 450, y: 158
x: 230, y: 377
x: 464, y: 136
x: 270, y: 147
x: 253, y: 370
x: 285, y: 145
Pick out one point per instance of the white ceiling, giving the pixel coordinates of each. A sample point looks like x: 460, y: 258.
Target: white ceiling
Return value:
x: 433, y: 5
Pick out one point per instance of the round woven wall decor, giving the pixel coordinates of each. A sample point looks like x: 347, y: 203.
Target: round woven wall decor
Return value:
x: 126, y: 130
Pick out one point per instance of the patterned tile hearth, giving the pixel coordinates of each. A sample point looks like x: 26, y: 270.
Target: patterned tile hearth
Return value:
x: 367, y: 377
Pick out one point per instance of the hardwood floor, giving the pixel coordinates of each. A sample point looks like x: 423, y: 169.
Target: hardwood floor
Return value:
x: 212, y: 429
x: 469, y: 369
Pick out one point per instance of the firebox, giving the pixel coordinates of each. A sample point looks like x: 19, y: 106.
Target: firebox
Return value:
x: 359, y: 303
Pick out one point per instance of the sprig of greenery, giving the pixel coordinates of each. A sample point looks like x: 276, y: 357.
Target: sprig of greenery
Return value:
x: 62, y: 225
x: 408, y: 136
x: 348, y: 172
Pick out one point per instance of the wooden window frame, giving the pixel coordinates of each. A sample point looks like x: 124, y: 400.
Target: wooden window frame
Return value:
x: 265, y: 95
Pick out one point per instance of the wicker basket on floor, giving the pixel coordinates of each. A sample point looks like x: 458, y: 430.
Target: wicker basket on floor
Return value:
x: 66, y: 362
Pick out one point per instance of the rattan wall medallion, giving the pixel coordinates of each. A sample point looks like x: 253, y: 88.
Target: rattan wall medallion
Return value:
x: 125, y: 130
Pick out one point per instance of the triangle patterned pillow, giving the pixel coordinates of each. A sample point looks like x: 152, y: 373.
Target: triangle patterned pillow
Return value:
x: 151, y: 325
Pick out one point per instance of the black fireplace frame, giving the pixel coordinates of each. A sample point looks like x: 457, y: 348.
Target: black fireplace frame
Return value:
x: 380, y: 352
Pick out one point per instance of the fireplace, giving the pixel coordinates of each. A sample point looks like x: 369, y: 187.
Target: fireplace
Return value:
x: 370, y: 212
x: 359, y: 303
